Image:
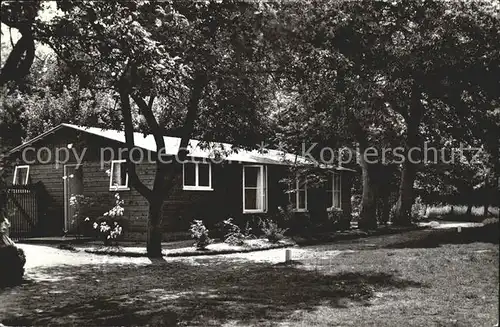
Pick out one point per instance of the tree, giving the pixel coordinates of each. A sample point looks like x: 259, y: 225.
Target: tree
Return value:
x: 144, y: 51
x: 379, y: 66
x: 21, y: 16
x: 337, y: 85
x: 439, y: 50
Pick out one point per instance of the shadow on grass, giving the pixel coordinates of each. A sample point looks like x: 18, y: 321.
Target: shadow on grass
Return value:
x: 434, y: 238
x: 204, y: 293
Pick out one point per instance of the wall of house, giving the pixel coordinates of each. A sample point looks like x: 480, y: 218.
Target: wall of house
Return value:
x: 182, y: 206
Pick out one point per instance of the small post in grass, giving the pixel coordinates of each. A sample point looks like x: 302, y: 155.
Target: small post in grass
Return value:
x: 459, y: 229
x: 288, y: 256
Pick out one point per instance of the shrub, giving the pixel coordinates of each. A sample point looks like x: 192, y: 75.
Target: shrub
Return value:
x: 80, y: 205
x: 12, y: 260
x: 234, y: 235
x: 200, y: 233
x: 356, y: 206
x: 285, y: 214
x: 109, y: 227
x: 338, y: 219
x: 271, y: 230
x: 490, y: 221
x: 301, y: 224
x: 418, y: 209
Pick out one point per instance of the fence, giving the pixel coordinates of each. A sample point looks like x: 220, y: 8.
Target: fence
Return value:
x: 23, y: 210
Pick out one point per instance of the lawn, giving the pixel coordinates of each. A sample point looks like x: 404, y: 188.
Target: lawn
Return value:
x: 459, y: 213
x: 408, y: 279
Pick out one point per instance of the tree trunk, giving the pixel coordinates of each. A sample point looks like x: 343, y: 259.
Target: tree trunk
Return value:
x: 402, y: 215
x: 4, y: 232
x: 384, y: 209
x: 155, y: 227
x: 20, y: 59
x: 469, y: 210
x: 368, y: 213
x: 488, y: 192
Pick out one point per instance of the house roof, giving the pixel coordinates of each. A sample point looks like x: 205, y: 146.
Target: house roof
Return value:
x: 196, y: 148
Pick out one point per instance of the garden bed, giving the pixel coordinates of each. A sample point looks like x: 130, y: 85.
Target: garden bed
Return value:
x: 212, y: 249
x: 118, y: 251
x: 224, y: 248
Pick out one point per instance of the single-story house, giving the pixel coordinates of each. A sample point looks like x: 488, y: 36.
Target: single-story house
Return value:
x: 216, y: 183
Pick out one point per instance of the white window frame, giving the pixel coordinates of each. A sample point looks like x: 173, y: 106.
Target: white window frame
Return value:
x: 297, y: 196
x: 197, y: 186
x: 334, y: 191
x: 117, y: 187
x: 14, y: 179
x: 263, y: 193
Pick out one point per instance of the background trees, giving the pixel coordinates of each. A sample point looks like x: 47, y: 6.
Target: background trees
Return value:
x: 338, y: 73
x: 393, y: 74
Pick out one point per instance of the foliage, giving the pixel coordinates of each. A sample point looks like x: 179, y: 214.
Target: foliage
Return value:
x: 109, y: 227
x: 234, y: 235
x: 297, y: 223
x: 80, y: 204
x: 20, y: 16
x: 338, y: 219
x: 200, y: 233
x: 285, y: 213
x: 271, y: 230
x: 418, y: 209
x: 378, y: 74
x: 356, y: 206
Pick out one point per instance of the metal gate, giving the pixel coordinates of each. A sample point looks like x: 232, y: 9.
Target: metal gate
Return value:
x: 22, y: 209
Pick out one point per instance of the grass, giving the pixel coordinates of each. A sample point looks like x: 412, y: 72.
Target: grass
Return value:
x: 217, y: 248
x: 224, y: 248
x: 459, y: 213
x: 417, y: 278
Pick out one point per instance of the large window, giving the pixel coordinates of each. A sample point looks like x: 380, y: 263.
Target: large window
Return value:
x: 197, y: 176
x: 21, y: 175
x: 254, y: 188
x: 118, y: 178
x: 334, y: 191
x: 298, y: 194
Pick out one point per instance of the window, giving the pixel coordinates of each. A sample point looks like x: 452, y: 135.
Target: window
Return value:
x: 334, y: 191
x: 118, y: 178
x: 298, y: 194
x: 197, y: 176
x: 21, y: 175
x: 254, y: 189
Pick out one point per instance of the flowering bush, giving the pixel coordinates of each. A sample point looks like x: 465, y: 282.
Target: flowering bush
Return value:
x: 200, y: 233
x: 117, y: 210
x: 108, y: 227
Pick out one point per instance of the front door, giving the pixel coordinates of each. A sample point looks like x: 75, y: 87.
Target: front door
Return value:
x: 73, y: 186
